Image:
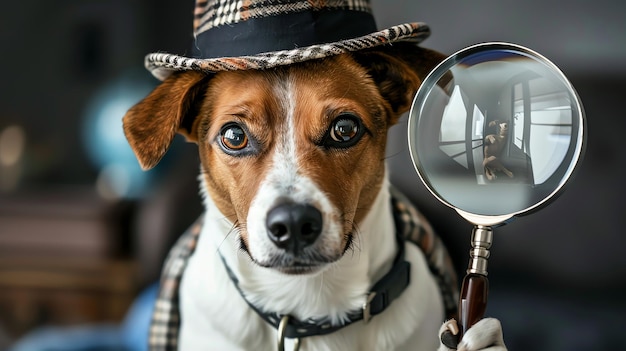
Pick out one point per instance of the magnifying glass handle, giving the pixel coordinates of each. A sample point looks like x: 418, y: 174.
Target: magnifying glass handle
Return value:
x: 475, y: 288
x: 473, y: 300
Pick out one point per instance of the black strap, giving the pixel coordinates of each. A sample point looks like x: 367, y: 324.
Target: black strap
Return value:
x: 382, y: 294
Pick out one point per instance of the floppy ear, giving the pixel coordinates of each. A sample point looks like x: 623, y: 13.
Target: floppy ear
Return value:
x: 150, y: 125
x: 398, y: 71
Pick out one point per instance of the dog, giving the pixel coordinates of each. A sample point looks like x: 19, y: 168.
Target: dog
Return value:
x: 303, y: 241
x: 297, y: 201
x: 494, y: 145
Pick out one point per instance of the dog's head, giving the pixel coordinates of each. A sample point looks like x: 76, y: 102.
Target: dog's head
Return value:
x: 502, y: 127
x: 293, y: 156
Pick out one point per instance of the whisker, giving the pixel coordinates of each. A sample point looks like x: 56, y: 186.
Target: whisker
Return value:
x: 234, y: 228
x: 321, y: 288
x: 391, y: 155
x: 353, y: 237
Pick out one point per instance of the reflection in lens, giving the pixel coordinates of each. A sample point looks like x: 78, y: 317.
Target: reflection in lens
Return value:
x: 495, y: 129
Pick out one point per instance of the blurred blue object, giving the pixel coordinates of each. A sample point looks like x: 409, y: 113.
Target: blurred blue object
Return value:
x: 137, y: 322
x: 103, y: 136
x: 131, y: 335
x: 84, y: 338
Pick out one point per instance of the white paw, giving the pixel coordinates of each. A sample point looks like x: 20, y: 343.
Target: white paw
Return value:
x: 486, y: 335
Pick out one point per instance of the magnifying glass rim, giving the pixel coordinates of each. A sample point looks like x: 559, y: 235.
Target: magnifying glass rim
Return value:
x: 431, y: 80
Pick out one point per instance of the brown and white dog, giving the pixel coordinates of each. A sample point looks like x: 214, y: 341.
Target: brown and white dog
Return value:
x: 297, y: 199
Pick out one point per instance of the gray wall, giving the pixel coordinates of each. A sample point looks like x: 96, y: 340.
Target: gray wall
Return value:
x: 578, y: 35
x: 557, y: 276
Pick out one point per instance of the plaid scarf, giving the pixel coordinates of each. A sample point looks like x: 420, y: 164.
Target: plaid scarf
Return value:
x: 166, y: 316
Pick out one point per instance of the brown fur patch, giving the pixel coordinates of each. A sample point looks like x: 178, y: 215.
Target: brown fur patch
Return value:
x: 151, y: 124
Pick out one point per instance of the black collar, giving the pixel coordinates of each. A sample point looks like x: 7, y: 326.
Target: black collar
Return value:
x: 387, y: 289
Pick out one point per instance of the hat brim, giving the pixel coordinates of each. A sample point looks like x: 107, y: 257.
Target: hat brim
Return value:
x: 161, y: 65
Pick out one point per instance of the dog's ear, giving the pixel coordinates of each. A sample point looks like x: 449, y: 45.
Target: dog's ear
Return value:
x: 398, y: 71
x: 150, y: 125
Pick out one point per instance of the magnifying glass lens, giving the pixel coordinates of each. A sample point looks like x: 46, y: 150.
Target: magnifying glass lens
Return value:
x: 495, y: 129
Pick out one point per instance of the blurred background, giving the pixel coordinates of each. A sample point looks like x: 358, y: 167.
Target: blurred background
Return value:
x: 83, y: 232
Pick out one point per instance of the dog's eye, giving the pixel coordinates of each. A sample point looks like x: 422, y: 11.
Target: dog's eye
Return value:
x: 344, y: 129
x: 344, y: 132
x: 233, y: 137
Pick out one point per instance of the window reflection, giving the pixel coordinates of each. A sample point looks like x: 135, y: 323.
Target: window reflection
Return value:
x: 519, y: 134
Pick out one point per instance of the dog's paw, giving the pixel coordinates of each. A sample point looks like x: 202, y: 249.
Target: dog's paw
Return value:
x: 486, y: 335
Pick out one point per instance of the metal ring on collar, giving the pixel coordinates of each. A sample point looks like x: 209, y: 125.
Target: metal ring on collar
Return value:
x: 282, y: 329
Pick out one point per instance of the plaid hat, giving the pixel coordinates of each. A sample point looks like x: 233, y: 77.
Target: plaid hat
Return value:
x: 259, y: 34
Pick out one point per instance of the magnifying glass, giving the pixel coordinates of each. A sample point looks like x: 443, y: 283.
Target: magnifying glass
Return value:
x: 495, y: 132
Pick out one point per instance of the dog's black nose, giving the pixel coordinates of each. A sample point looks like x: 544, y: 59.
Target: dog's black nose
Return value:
x: 294, y: 226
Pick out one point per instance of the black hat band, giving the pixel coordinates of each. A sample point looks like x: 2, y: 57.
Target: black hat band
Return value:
x: 282, y: 32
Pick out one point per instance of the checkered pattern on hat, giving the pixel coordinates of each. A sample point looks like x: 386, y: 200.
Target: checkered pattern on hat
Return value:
x: 161, y: 65
x: 166, y: 316
x: 218, y: 14
x: 210, y: 14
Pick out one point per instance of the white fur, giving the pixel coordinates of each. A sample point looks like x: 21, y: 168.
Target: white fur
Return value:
x: 214, y: 316
x: 285, y: 181
x: 485, y: 335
